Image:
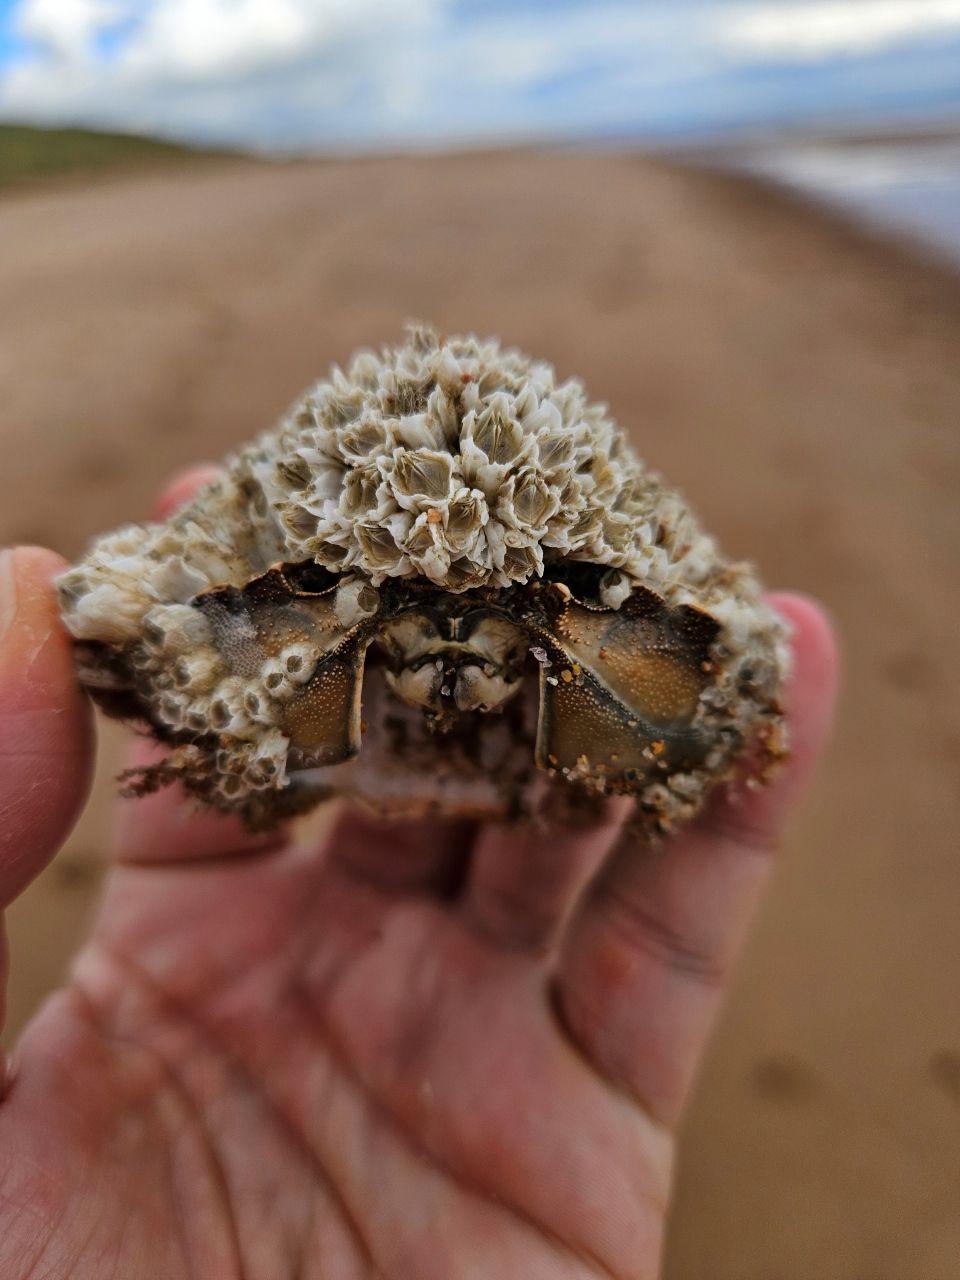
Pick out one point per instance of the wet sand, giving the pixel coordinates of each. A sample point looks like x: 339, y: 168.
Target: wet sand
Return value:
x: 798, y: 378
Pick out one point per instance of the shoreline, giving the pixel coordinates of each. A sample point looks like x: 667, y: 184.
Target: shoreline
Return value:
x: 801, y: 163
x: 902, y: 187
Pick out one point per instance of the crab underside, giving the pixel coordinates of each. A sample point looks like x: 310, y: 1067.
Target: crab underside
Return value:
x: 443, y: 582
x: 477, y: 702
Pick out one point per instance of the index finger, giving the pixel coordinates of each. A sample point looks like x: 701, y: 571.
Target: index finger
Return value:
x: 46, y: 743
x: 45, y: 731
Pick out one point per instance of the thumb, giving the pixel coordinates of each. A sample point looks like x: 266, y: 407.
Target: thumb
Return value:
x: 45, y: 726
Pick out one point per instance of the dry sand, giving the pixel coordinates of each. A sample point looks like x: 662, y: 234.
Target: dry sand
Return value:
x: 800, y: 380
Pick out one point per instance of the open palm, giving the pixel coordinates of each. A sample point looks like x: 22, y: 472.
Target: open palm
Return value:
x: 421, y: 1051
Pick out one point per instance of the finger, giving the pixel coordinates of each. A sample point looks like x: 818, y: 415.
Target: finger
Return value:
x: 410, y: 856
x: 524, y: 881
x: 646, y: 961
x: 182, y: 487
x: 45, y: 732
x: 167, y: 826
x: 46, y: 739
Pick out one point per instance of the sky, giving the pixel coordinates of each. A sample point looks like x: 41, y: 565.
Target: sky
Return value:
x: 300, y: 74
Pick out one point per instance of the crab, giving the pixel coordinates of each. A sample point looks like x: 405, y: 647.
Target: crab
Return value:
x: 444, y: 582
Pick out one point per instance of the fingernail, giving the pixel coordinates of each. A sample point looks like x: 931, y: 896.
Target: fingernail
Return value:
x: 8, y: 592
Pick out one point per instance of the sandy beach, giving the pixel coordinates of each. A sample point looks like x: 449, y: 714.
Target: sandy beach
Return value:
x: 798, y: 378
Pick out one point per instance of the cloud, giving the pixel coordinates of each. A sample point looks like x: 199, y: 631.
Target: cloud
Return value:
x: 211, y: 38
x: 300, y: 73
x: 203, y: 38
x: 176, y: 64
x: 66, y: 28
x: 820, y: 29
x: 303, y: 70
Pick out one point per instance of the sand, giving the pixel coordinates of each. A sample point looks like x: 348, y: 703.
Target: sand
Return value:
x: 798, y: 378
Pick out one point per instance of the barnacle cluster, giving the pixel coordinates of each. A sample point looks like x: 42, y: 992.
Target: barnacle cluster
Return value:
x: 446, y: 467
x: 465, y: 464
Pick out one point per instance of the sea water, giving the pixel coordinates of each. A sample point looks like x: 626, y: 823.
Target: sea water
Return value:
x: 911, y: 187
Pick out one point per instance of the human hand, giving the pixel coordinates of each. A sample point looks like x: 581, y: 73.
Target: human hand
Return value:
x: 423, y: 1051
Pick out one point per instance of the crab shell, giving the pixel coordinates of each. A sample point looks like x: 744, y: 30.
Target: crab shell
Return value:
x: 443, y: 583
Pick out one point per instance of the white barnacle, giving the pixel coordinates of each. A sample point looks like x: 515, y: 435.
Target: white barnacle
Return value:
x: 258, y: 705
x: 426, y: 547
x: 419, y: 477
x: 275, y: 681
x: 267, y: 763
x: 367, y: 437
x: 176, y: 629
x: 297, y: 662
x: 176, y: 579
x: 442, y: 406
x: 523, y: 562
x: 197, y: 672
x: 615, y: 587
x: 297, y: 522
x: 355, y: 600
x: 104, y: 611
x: 497, y: 432
x: 227, y: 711
x: 421, y: 431
x: 171, y: 709
x: 466, y: 515
x: 527, y: 502
x: 380, y: 554
x: 617, y: 534
x: 365, y: 491
x: 555, y: 454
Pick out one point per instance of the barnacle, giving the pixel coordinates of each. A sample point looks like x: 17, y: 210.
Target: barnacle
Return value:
x: 443, y: 581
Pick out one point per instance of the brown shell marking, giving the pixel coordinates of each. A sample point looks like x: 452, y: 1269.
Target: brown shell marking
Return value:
x: 322, y: 720
x: 619, y: 699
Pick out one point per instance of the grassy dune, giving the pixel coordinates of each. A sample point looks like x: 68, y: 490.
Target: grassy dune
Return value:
x: 28, y: 152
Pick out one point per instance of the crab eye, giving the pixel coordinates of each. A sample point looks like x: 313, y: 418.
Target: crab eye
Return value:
x: 309, y: 577
x: 581, y: 577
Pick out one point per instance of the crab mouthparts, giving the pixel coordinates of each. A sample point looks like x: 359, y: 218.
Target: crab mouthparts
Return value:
x: 457, y: 677
x: 442, y: 662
